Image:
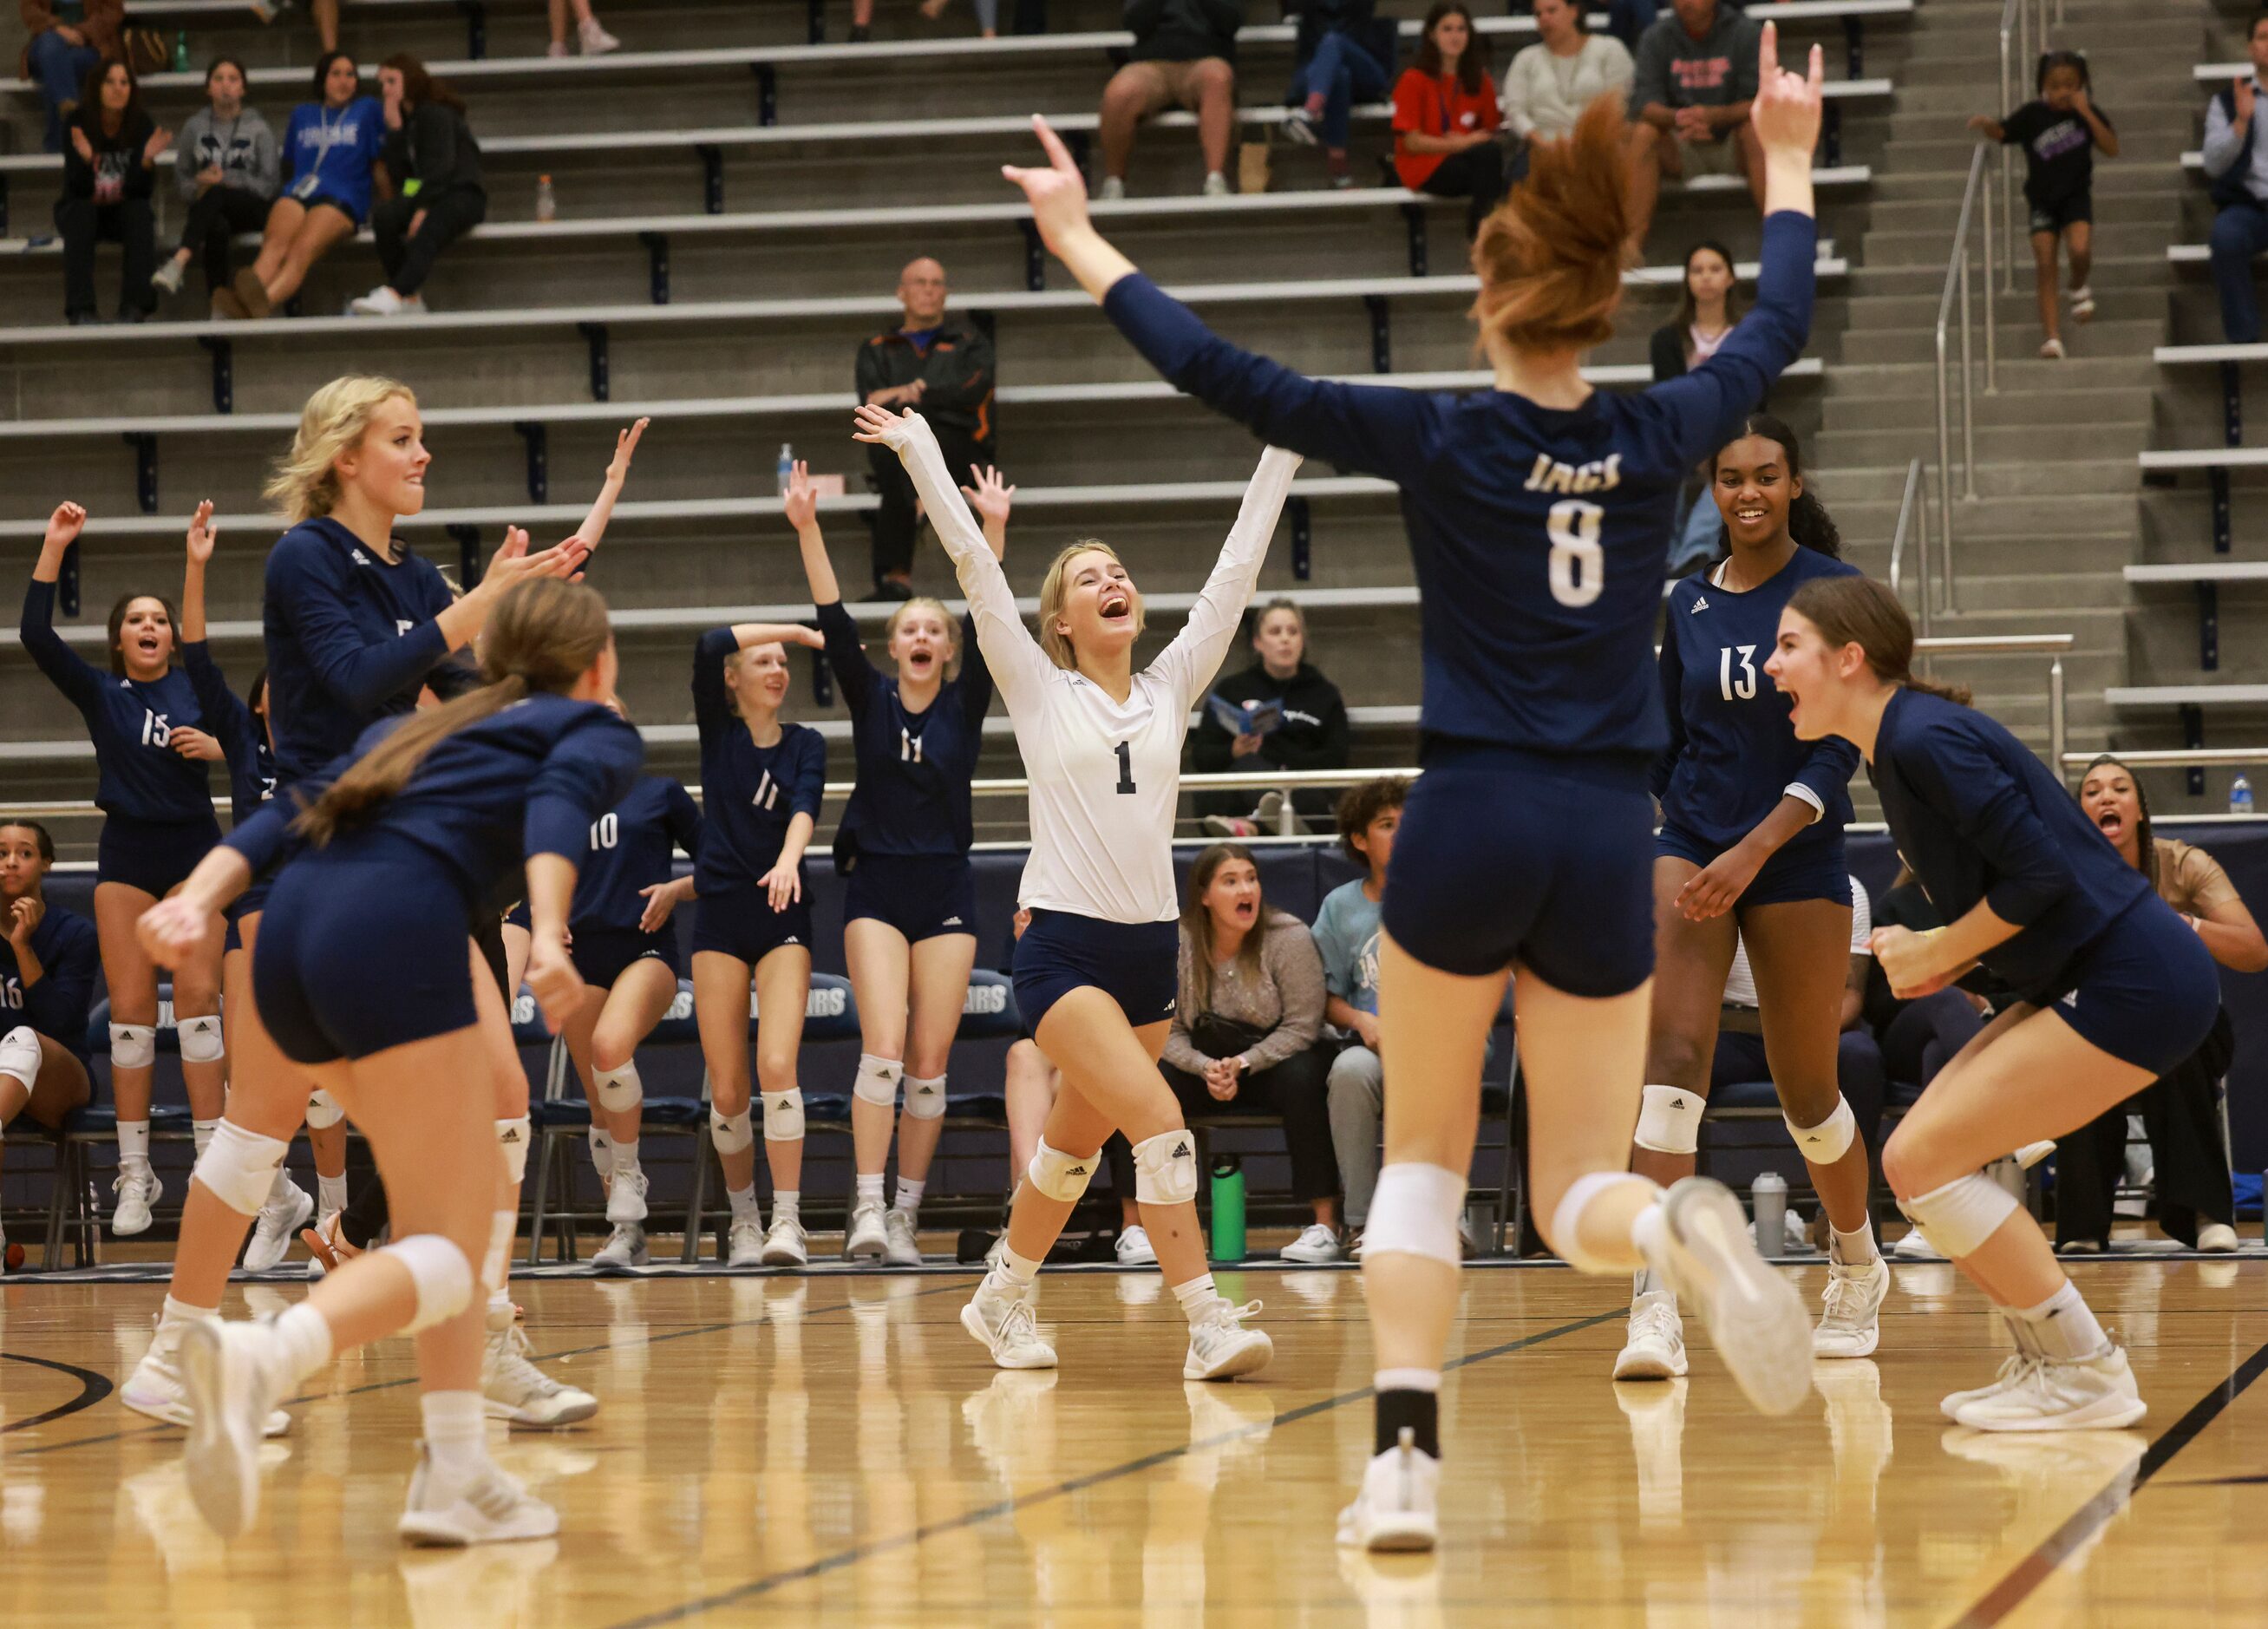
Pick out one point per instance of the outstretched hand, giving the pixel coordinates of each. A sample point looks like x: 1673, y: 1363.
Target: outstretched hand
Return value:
x: 64, y: 525
x: 799, y: 502
x: 514, y: 563
x: 991, y: 498
x: 1787, y: 106
x: 204, y: 535
x: 895, y: 431
x: 625, y: 448
x: 1057, y: 192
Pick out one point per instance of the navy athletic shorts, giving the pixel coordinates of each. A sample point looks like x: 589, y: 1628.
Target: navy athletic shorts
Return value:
x: 251, y: 902
x: 1805, y: 869
x: 2146, y: 991
x: 1506, y: 856
x: 1136, y: 965
x: 743, y: 924
x: 603, y: 955
x: 154, y: 856
x: 922, y: 895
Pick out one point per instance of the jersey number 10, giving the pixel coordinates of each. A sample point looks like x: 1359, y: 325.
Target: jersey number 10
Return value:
x: 1579, y: 564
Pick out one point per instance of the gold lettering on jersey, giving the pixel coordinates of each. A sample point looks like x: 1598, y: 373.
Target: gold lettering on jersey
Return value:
x: 1551, y: 475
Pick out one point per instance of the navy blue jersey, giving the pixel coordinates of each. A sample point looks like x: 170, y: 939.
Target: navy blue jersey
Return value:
x: 56, y: 1006
x: 1536, y: 532
x: 1978, y: 817
x: 350, y: 638
x: 1732, y: 753
x: 630, y: 848
x: 132, y: 723
x: 750, y: 793
x: 251, y: 766
x: 914, y: 767
x: 527, y: 780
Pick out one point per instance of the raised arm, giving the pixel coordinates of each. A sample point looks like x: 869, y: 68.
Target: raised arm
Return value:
x: 37, y: 629
x: 618, y: 473
x: 203, y: 537
x: 1194, y: 655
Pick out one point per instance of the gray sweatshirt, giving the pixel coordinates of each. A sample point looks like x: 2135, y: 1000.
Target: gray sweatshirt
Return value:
x: 1287, y: 998
x: 244, y: 147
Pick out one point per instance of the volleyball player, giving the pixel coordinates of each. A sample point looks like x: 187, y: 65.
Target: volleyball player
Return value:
x: 157, y: 821
x: 48, y: 961
x: 407, y: 841
x: 1750, y: 852
x: 2114, y: 988
x: 1095, y: 971
x: 909, y: 913
x: 1535, y: 513
x: 761, y: 781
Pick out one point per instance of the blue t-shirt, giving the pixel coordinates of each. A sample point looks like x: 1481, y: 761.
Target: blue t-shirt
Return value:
x: 328, y: 152
x: 914, y: 767
x: 132, y: 723
x: 1346, y: 934
x: 251, y: 766
x: 58, y: 1007
x: 751, y: 792
x: 630, y: 848
x: 1733, y: 754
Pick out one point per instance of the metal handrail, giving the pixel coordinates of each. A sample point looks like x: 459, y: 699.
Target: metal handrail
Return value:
x: 2016, y: 19
x: 1956, y: 280
x: 1914, y: 509
x: 2172, y: 758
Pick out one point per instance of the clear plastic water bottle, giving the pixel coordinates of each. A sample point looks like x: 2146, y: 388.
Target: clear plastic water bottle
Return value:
x: 546, y: 202
x: 181, y: 52
x: 2240, y: 795
x: 786, y: 467
x: 1768, y: 1195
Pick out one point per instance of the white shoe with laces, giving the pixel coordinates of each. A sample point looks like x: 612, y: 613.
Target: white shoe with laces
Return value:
x: 744, y: 1245
x: 1221, y: 1348
x: 625, y: 1250
x: 866, y: 1238
x: 786, y: 1245
x: 2013, y: 1369
x: 137, y: 1189
x: 278, y: 1223
x: 626, y: 1198
x: 1913, y: 1247
x: 155, y: 1388
x: 1655, y: 1349
x: 902, y: 1246
x: 1315, y: 1244
x: 1755, y: 1320
x: 2096, y: 1393
x: 1852, y: 1325
x: 488, y: 1508
x: 1396, y: 1507
x: 1133, y: 1248
x: 515, y: 1391
x: 1007, y: 1326
x: 231, y: 1386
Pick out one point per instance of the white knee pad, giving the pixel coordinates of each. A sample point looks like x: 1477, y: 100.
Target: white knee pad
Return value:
x: 925, y: 1098
x: 1959, y: 1217
x: 1669, y: 1120
x: 200, y: 1040
x: 511, y: 1137
x: 1413, y: 1212
x: 1828, y: 1141
x: 1567, y: 1221
x: 619, y: 1090
x: 133, y: 1046
x: 323, y: 1111
x: 1058, y: 1176
x: 731, y: 1132
x: 19, y: 1055
x: 239, y: 1167
x: 1165, y: 1168
x: 444, y: 1278
x: 877, y: 1081
x: 784, y: 1116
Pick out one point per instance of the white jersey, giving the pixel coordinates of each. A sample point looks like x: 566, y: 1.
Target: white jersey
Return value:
x: 1106, y: 776
x: 1741, y: 984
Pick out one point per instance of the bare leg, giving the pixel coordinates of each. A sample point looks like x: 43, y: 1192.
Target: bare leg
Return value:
x: 1213, y: 86
x: 1691, y: 960
x: 2043, y: 283
x: 1801, y: 955
x: 196, y: 994
x: 639, y: 1000
x: 322, y: 228
x: 940, y: 989
x: 2079, y: 251
x: 720, y: 1011
x: 1652, y: 155
x: 1030, y: 1088
x: 1135, y: 92
x: 326, y: 13
x: 880, y: 965
x: 132, y: 979
x: 783, y: 988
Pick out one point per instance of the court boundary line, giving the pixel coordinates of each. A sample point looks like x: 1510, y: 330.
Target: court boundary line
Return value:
x: 2018, y: 1583
x: 1011, y: 1506
x: 93, y: 1387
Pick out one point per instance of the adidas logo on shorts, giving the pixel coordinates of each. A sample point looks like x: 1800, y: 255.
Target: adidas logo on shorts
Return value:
x: 951, y: 922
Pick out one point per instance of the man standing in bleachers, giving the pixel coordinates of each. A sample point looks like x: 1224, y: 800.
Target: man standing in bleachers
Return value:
x: 2236, y: 163
x: 941, y: 368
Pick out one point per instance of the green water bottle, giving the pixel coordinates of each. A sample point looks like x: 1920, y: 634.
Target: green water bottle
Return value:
x: 181, y: 51
x: 1227, y: 1208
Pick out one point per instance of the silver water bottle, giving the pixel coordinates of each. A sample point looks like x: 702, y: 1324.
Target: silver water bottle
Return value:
x: 1768, y: 1194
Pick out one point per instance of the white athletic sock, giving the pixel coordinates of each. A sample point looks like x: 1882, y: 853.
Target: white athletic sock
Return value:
x: 179, y: 1315
x: 744, y: 1203
x: 787, y: 1205
x: 1646, y: 1281
x: 280, y: 1188
x: 455, y: 1432
x: 910, y: 1194
x: 1407, y: 1379
x: 1856, y: 1250
x: 1651, y: 1233
x: 2062, y: 1327
x: 625, y: 1156
x: 200, y: 1132
x: 303, y: 1340
x: 330, y: 1194
x: 133, y: 1141
x: 1198, y: 1296
x: 870, y: 1187
x: 1012, y: 1274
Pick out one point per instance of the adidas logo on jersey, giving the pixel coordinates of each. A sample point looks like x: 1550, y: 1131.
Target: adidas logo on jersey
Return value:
x: 359, y: 558
x: 1700, y: 604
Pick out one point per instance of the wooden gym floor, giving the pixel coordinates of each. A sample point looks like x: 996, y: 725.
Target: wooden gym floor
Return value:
x: 832, y: 1448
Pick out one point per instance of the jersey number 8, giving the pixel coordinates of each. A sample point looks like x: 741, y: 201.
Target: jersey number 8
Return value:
x: 1579, y: 564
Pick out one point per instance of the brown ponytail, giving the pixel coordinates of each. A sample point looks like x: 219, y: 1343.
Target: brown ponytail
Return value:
x: 543, y: 636
x: 1858, y: 610
x: 1550, y: 256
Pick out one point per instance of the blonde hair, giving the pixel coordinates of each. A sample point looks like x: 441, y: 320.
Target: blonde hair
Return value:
x: 927, y: 602
x: 305, y: 484
x: 1053, y: 593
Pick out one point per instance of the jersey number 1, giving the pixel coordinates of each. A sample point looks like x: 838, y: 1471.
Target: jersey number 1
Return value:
x: 1126, y: 768
x: 1579, y: 564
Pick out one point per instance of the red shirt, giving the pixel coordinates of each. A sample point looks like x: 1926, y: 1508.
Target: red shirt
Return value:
x: 1438, y: 108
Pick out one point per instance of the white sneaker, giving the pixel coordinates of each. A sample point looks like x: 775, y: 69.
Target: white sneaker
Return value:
x: 1852, y: 1325
x: 276, y: 1227
x: 904, y: 1246
x: 625, y: 1250
x: 1134, y: 1248
x: 380, y: 302
x: 1655, y: 1349
x: 1114, y: 190
x: 786, y: 1245
x: 1755, y: 1320
x: 1913, y: 1247
x: 1394, y: 1508
x: 2051, y: 350
x: 1299, y: 126
x: 489, y: 1509
x: 155, y: 1389
x: 626, y: 1198
x: 1006, y: 1327
x: 1317, y: 1243
x: 744, y: 1245
x: 596, y: 42
x: 229, y: 1385
x: 1221, y: 1348
x: 2216, y: 1238
x: 517, y: 1391
x: 168, y: 276
x: 2086, y: 1394
x: 137, y: 1189
x: 2013, y: 1369
x: 2082, y: 303
x: 1216, y: 185
x: 866, y: 1238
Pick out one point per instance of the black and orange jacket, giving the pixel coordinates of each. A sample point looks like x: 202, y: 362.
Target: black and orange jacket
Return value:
x: 956, y: 368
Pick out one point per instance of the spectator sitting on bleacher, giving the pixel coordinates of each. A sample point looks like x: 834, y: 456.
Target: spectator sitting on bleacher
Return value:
x: 66, y: 39
x: 1185, y: 55
x: 1346, y: 937
x: 1567, y: 69
x: 2059, y: 128
x: 1446, y: 116
x: 944, y: 369
x: 1696, y: 77
x: 1706, y: 311
x: 228, y: 169
x: 2236, y: 163
x: 330, y: 148
x: 1304, y: 727
x: 1338, y: 67
x: 433, y: 168
x: 596, y: 41
x: 107, y: 180
x: 48, y: 962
